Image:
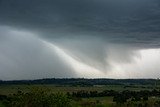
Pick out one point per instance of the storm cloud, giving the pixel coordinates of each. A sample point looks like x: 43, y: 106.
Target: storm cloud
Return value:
x: 96, y: 35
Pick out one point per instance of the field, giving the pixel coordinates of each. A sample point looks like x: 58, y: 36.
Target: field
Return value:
x: 98, y: 101
x: 11, y: 89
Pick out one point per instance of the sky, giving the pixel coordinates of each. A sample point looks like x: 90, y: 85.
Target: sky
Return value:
x: 79, y: 39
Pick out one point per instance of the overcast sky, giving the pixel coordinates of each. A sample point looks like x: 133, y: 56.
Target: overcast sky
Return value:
x: 79, y: 38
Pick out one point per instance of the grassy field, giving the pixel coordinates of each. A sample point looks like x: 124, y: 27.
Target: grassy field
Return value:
x: 1, y: 105
x: 11, y: 89
x: 85, y: 102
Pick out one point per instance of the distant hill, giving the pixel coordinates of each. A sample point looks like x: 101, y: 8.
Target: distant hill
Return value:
x: 82, y: 81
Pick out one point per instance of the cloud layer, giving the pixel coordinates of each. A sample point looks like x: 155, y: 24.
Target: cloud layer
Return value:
x: 97, y: 35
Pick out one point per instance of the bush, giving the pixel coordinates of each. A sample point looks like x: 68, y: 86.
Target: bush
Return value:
x: 39, y: 98
x: 119, y: 99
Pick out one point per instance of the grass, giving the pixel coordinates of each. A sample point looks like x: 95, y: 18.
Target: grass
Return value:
x: 107, y: 101
x: 11, y: 89
x: 84, y: 102
x: 1, y: 105
x: 94, y: 102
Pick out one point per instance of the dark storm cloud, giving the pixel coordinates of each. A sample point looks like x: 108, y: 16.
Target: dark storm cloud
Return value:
x: 94, y: 32
x: 126, y: 21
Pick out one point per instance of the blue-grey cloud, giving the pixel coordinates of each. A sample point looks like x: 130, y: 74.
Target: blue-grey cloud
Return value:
x: 122, y: 21
x: 91, y: 31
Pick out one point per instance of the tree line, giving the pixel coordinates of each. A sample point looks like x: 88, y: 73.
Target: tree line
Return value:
x: 85, y: 82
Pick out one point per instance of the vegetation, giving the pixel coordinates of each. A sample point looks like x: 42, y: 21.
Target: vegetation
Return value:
x: 80, y: 94
x: 84, y: 82
x: 36, y: 98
